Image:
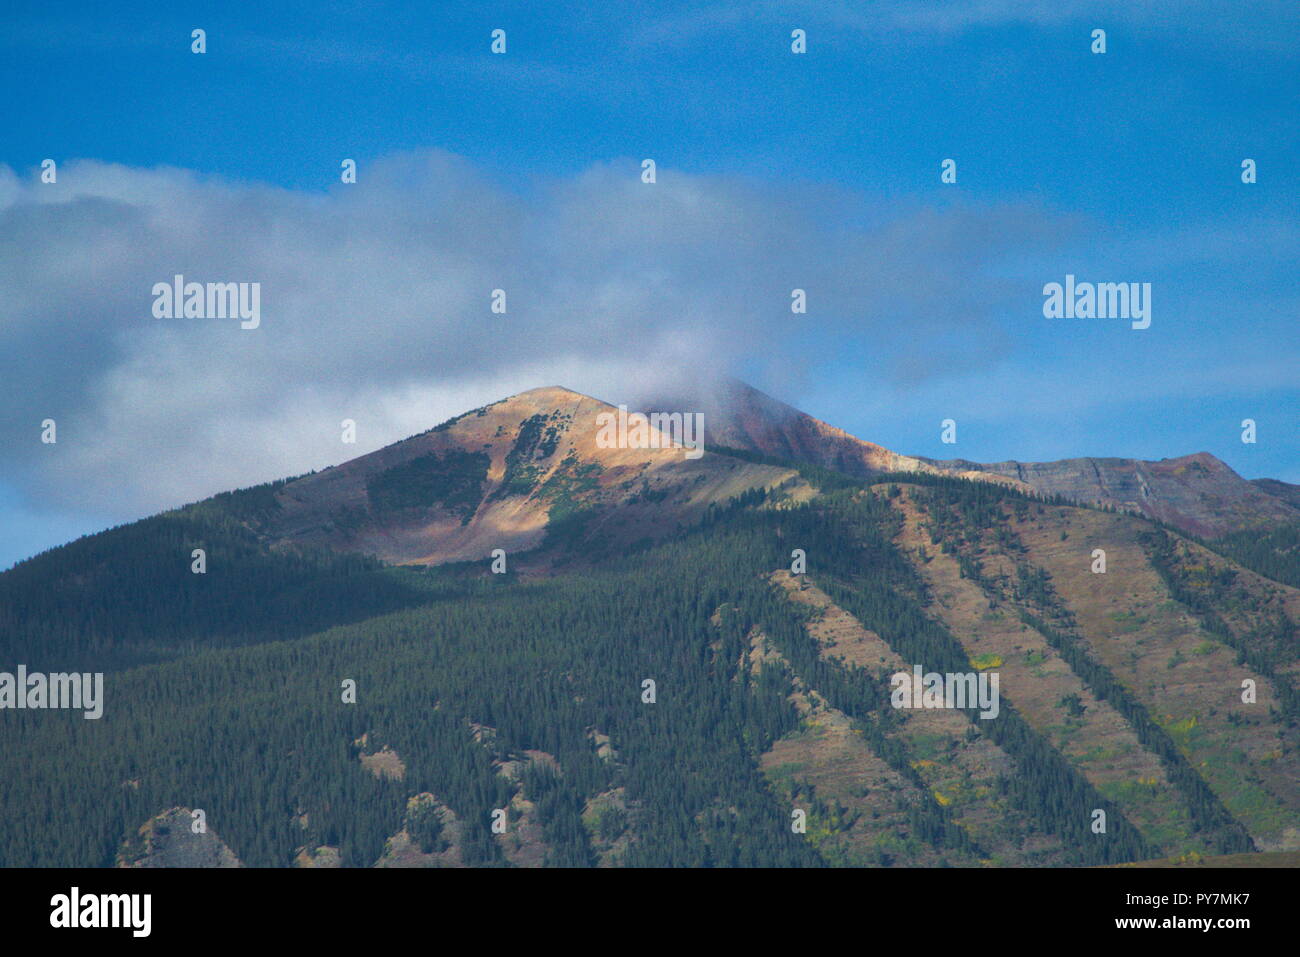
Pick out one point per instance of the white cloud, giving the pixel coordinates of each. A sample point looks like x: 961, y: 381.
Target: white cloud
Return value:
x: 375, y: 306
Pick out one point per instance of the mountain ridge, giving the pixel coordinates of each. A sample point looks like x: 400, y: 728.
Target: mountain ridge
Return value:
x: 510, y: 468
x: 1197, y: 493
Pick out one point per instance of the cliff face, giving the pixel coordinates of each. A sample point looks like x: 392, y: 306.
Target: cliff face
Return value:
x: 1195, y: 493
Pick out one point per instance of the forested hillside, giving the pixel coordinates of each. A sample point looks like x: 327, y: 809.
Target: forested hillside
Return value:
x: 129, y: 595
x: 477, y: 692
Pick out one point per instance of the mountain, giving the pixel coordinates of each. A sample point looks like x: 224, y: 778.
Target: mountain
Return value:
x: 683, y: 659
x: 1197, y: 493
x: 1193, y: 493
x: 522, y: 473
x: 1281, y: 490
x: 530, y: 469
x: 507, y: 476
x: 738, y: 416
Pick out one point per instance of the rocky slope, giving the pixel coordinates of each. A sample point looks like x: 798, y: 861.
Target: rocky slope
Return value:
x: 739, y: 416
x: 169, y: 840
x: 503, y: 476
x: 1194, y: 493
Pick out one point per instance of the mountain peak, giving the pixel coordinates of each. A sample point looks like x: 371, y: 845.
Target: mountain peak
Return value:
x: 552, y: 393
x: 502, y: 476
x: 739, y: 416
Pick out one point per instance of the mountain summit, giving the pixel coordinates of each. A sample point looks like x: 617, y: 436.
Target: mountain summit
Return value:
x: 532, y: 468
x: 505, y: 476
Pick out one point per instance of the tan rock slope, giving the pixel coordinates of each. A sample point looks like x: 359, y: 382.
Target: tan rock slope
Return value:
x: 501, y: 477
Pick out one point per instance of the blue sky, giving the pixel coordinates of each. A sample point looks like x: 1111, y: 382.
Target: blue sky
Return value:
x: 776, y: 171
